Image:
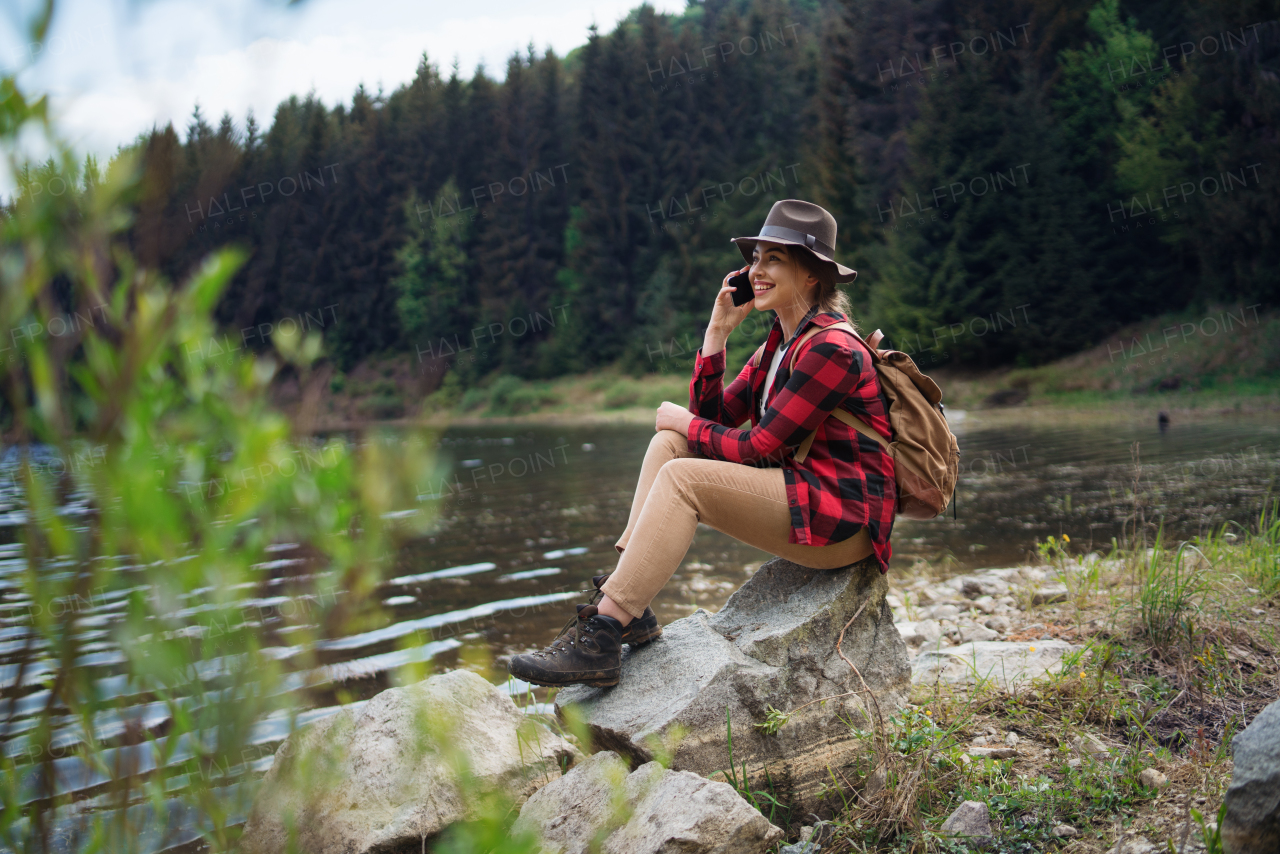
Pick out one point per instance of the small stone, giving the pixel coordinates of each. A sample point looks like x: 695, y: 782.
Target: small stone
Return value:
x: 1011, y: 739
x: 993, y: 752
x: 805, y: 833
x: 970, y: 819
x: 977, y: 633
x: 999, y: 624
x: 1089, y: 745
x: 1050, y: 592
x: 1065, y: 831
x: 974, y: 586
x: 980, y: 741
x: 1074, y: 762
x: 945, y: 611
x: 985, y: 604
x: 1134, y: 845
x: 1152, y: 779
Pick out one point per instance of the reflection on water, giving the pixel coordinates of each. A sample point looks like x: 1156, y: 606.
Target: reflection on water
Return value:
x: 530, y: 513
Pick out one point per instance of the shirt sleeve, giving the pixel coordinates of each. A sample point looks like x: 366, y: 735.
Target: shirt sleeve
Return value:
x: 825, y: 374
x: 709, y: 399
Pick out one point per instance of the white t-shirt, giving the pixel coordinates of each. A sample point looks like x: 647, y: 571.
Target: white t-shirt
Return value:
x: 770, y: 377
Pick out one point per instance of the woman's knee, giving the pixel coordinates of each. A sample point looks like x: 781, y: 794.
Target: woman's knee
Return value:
x: 670, y: 441
x: 675, y: 476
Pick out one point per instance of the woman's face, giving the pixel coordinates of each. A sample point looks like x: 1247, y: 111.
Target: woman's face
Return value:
x: 778, y: 281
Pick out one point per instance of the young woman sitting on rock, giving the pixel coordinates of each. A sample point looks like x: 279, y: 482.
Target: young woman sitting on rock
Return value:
x: 832, y: 510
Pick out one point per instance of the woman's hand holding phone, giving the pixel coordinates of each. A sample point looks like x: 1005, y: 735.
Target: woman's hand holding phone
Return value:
x: 726, y: 315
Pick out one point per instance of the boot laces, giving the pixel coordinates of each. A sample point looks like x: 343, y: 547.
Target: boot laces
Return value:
x: 575, y: 629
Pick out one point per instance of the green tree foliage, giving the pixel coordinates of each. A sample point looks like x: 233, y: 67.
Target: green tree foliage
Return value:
x: 435, y: 288
x: 608, y: 181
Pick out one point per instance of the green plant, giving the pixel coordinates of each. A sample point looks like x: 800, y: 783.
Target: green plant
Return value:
x: 621, y: 395
x: 758, y: 798
x: 195, y: 485
x: 1169, y: 594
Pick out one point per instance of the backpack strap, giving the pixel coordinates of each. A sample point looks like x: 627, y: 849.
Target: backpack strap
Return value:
x: 840, y: 414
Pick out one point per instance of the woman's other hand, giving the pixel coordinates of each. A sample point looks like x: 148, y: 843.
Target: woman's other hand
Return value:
x: 725, y: 316
x: 673, y: 416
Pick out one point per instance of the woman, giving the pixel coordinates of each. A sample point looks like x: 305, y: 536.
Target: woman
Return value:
x: 833, y: 509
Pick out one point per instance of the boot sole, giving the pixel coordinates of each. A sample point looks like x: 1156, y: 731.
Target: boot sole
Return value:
x: 603, y: 682
x: 647, y: 637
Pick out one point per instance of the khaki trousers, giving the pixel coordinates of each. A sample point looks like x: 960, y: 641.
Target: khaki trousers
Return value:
x: 677, y: 490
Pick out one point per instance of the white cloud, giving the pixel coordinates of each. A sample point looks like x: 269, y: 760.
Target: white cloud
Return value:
x: 114, y: 69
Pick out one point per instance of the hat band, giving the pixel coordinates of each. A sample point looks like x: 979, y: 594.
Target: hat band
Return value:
x: 807, y: 240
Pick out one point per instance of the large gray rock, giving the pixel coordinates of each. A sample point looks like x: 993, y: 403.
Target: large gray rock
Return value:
x: 1008, y: 664
x: 651, y: 810
x: 380, y: 778
x: 1252, y: 823
x: 773, y: 644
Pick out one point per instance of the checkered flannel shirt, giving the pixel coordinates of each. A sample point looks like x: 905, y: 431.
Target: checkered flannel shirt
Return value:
x: 846, y: 481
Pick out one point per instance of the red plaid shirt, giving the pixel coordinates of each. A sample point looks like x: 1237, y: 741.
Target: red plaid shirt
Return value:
x: 846, y: 481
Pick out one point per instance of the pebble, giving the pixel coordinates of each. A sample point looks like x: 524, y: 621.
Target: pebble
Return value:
x: 1152, y: 779
x: 993, y: 752
x: 1065, y: 830
x: 1003, y: 625
x: 977, y: 633
x: 985, y: 604
x: 945, y: 611
x: 1088, y: 745
x: 1011, y: 739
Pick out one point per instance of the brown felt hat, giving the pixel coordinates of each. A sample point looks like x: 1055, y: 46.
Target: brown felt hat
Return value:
x: 798, y: 223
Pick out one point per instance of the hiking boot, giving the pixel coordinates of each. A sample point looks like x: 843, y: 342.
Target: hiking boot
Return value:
x: 589, y: 653
x: 640, y: 630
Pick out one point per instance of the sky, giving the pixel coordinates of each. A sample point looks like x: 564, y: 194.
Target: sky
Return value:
x: 113, y: 69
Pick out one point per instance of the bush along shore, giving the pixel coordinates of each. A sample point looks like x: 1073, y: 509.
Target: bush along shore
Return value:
x: 1086, y: 704
x: 1221, y: 360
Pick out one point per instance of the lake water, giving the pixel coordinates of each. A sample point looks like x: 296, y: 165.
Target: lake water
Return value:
x: 530, y: 513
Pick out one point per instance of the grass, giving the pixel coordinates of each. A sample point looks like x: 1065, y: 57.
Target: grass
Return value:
x: 1179, y: 651
x: 1229, y: 357
x: 1204, y: 371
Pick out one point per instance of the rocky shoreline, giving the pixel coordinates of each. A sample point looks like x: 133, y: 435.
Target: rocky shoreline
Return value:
x: 817, y: 668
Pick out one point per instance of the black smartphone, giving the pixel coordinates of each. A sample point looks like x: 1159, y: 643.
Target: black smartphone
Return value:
x: 742, y: 291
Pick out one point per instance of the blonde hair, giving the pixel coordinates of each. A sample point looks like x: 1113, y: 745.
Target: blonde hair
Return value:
x: 830, y: 299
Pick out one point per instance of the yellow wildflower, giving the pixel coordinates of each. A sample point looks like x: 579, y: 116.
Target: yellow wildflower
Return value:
x: 1033, y: 649
x: 1065, y: 538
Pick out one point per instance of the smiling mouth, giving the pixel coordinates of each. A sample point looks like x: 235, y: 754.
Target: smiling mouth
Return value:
x: 762, y: 286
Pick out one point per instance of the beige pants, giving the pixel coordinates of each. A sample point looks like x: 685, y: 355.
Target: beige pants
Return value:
x: 677, y: 490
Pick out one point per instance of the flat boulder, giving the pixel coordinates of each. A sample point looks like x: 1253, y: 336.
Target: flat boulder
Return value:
x: 1011, y: 665
x: 772, y: 645
x: 378, y: 779
x: 651, y: 810
x: 1252, y: 822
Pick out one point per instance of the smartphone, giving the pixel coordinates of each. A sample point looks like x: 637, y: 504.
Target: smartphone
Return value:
x: 742, y: 291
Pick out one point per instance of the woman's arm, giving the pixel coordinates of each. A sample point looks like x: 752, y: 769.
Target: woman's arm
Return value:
x: 829, y: 369
x: 707, y: 395
x: 709, y: 398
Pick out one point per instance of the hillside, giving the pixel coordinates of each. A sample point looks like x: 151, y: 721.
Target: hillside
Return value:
x: 1210, y: 359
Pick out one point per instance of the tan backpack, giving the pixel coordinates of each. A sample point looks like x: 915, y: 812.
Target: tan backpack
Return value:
x: 925, y: 452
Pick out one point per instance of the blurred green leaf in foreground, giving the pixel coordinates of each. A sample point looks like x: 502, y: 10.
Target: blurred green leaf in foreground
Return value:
x: 177, y: 494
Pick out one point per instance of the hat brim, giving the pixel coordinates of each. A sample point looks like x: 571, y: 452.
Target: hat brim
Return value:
x: 746, y: 245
